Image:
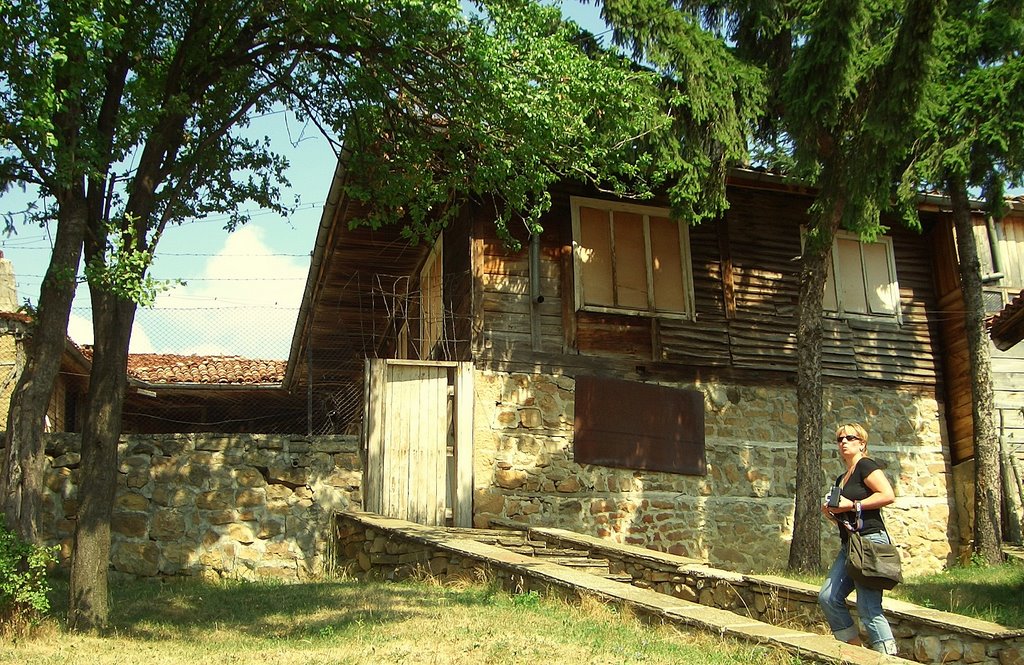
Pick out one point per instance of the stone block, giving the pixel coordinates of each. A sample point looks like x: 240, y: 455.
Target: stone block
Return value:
x: 249, y: 498
x: 269, y: 529
x: 70, y: 506
x: 131, y: 501
x: 927, y: 649
x: 67, y: 460
x: 952, y: 650
x: 569, y: 485
x: 510, y: 478
x: 213, y: 443
x: 140, y: 558
x: 249, y: 477
x: 486, y: 501
x: 974, y: 652
x: 241, y: 533
x: 280, y: 550
x: 174, y: 558
x: 1012, y: 655
x: 221, y: 516
x: 168, y: 524
x: 195, y: 475
x: 531, y: 417
x: 130, y: 525
x: 215, y: 500
x: 171, y: 496
x: 57, y: 478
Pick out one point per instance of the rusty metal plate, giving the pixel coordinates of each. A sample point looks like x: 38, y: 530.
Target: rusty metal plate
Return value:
x: 636, y: 425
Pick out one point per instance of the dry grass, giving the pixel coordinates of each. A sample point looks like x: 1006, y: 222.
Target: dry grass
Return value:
x: 368, y: 622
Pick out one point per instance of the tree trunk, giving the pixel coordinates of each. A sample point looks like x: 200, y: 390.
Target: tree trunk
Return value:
x: 805, y: 549
x: 987, y: 493
x: 22, y: 467
x: 101, y: 430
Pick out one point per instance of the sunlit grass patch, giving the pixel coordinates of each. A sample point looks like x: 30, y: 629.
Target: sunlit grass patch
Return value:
x: 372, y: 622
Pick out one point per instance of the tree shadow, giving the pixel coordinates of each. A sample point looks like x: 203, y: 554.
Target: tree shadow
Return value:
x: 191, y: 609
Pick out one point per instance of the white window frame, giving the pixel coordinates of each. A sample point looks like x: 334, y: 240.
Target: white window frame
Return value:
x: 832, y: 287
x: 686, y: 269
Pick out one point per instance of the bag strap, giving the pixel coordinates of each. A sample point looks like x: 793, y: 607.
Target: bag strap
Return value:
x: 860, y: 520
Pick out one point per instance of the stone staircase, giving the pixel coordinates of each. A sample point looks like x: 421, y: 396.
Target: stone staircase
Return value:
x: 664, y: 588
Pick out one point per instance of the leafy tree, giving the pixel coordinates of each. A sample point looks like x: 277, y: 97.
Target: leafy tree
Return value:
x: 844, y: 81
x: 973, y: 137
x: 126, y: 113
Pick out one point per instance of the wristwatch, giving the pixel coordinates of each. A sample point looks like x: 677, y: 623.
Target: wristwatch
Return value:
x: 856, y: 506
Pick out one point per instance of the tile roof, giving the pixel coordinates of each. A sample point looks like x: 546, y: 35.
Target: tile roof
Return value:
x: 162, y: 368
x: 1007, y: 327
x: 16, y: 316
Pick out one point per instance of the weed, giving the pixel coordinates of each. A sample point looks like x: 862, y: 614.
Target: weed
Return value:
x: 528, y: 600
x: 23, y: 582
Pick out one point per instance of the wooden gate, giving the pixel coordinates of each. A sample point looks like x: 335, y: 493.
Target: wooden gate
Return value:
x: 418, y: 441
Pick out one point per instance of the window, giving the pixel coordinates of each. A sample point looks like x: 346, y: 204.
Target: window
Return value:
x: 630, y: 258
x: 431, y: 301
x: 862, y: 279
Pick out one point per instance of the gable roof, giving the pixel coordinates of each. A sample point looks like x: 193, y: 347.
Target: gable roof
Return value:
x: 1007, y: 327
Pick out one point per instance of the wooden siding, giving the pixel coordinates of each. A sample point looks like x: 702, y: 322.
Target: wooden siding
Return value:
x: 745, y: 272
x: 1007, y: 366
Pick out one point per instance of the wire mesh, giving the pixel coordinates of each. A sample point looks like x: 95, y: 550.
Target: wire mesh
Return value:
x: 238, y: 369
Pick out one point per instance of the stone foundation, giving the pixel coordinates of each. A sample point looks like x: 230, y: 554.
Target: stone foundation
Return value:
x: 739, y: 516
x: 239, y: 505
x: 393, y: 549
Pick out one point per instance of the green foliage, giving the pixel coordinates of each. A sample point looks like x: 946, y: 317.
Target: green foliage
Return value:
x: 503, y: 104
x: 23, y: 580
x: 526, y: 600
x: 715, y: 100
x: 974, y: 127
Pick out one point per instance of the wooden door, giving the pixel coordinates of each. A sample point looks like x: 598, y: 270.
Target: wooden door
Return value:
x: 418, y: 440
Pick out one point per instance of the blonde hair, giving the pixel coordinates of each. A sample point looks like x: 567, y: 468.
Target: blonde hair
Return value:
x: 858, y: 429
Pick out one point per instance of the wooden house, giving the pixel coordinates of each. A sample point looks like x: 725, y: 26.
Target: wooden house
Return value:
x: 626, y: 375
x: 1001, y: 251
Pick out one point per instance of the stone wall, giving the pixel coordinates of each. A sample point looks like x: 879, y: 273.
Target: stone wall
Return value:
x: 739, y: 516
x: 238, y: 505
x: 392, y: 549
x: 11, y: 359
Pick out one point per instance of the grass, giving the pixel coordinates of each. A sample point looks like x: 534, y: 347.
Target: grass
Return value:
x: 991, y: 593
x: 359, y: 622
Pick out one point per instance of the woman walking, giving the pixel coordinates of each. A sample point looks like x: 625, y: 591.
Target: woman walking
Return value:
x: 864, y: 490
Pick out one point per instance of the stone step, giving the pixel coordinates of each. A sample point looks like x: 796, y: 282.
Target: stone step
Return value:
x: 562, y: 552
x: 618, y: 577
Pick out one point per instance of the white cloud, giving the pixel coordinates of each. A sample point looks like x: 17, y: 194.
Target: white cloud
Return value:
x: 80, y: 332
x: 244, y: 301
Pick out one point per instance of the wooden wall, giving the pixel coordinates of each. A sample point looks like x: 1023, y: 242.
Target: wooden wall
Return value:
x: 1007, y: 366
x: 745, y: 273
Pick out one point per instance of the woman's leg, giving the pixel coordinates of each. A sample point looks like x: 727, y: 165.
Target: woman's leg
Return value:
x: 869, y: 607
x: 832, y: 599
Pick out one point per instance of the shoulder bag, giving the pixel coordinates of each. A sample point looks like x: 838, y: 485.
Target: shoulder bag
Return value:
x: 870, y: 564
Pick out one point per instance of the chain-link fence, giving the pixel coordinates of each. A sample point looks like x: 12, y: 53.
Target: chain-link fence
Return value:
x: 242, y: 369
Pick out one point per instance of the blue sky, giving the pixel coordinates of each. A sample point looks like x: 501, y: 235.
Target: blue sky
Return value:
x: 242, y: 289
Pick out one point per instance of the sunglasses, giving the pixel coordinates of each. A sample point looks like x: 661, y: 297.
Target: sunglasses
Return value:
x: 848, y: 437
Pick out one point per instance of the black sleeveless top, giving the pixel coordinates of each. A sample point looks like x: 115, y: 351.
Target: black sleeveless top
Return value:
x: 856, y: 490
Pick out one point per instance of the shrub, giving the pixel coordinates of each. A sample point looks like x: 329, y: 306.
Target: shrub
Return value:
x: 23, y: 580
